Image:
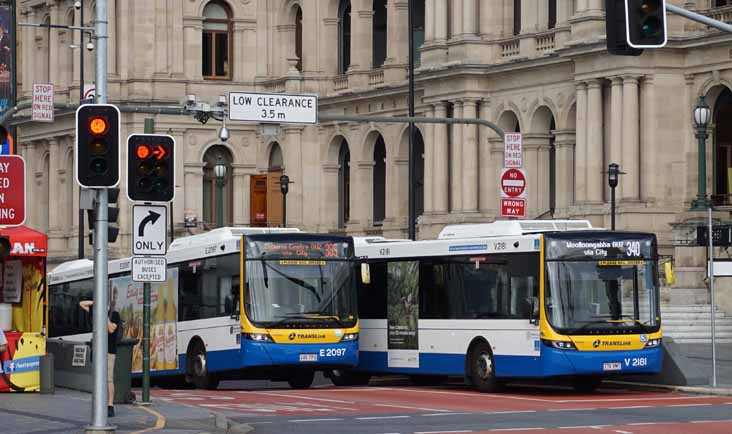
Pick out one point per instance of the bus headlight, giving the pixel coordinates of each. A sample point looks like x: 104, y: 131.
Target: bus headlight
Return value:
x: 560, y: 345
x: 258, y: 337
x: 652, y: 343
x: 348, y: 337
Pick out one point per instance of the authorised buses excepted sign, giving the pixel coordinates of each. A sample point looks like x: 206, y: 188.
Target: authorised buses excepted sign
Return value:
x: 278, y: 108
x: 149, y: 269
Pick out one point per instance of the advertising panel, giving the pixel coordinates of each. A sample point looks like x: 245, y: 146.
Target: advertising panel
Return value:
x: 128, y: 301
x: 20, y: 365
x: 7, y: 50
x: 402, y: 314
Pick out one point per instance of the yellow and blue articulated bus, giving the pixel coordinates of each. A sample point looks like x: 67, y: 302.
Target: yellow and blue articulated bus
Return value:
x: 510, y: 300
x: 238, y: 303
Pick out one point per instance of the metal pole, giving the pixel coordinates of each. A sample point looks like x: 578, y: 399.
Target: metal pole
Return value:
x: 701, y: 201
x: 699, y: 18
x: 99, y: 397
x: 612, y: 208
x: 713, y: 304
x: 146, y: 343
x: 219, y: 202
x: 284, y: 210
x: 81, y: 98
x: 410, y: 171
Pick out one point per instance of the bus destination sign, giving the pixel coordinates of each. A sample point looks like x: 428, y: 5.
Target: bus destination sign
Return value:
x: 297, y: 249
x: 610, y: 247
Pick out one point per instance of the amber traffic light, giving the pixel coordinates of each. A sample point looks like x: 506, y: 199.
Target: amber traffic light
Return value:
x: 646, y: 23
x: 151, y: 168
x: 97, y: 145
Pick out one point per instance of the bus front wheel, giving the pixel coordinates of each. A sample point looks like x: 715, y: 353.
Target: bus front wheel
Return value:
x: 198, y: 372
x: 301, y: 379
x: 483, y: 369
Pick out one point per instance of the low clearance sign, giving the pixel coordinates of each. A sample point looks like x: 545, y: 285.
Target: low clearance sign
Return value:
x: 12, y: 190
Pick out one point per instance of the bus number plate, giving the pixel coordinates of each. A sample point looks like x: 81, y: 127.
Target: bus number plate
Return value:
x: 308, y: 357
x: 612, y: 366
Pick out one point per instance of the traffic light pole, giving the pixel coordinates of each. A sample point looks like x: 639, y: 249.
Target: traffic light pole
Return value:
x: 100, y: 392
x: 699, y: 18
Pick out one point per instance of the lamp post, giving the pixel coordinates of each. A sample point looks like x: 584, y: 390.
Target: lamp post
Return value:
x: 284, y: 188
x: 613, y: 176
x: 702, y: 114
x: 220, y: 172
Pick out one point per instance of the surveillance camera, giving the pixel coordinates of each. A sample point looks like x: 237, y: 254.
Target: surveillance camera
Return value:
x: 191, y: 99
x: 77, y: 5
x: 90, y: 46
x: 224, y: 134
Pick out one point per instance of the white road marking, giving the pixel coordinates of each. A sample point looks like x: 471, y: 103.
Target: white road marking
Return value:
x: 407, y: 407
x: 573, y: 409
x: 629, y: 407
x: 645, y: 423
x: 516, y: 429
x: 287, y: 395
x: 711, y: 421
x: 444, y: 414
x: 442, y: 432
x: 313, y: 420
x: 382, y: 417
x: 511, y: 412
x: 622, y: 432
x: 688, y: 405
x: 583, y: 427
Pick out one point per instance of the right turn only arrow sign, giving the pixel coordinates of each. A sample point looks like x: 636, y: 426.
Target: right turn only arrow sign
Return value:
x: 149, y: 230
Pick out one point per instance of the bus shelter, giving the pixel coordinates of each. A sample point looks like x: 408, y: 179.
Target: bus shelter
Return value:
x: 23, y: 317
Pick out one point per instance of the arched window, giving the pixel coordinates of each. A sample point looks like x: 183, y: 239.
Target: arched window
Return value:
x: 216, y: 43
x: 379, y: 33
x: 722, y: 139
x: 379, y: 181
x: 217, y: 189
x: 344, y: 36
x: 298, y: 38
x: 552, y: 14
x: 516, y: 17
x: 344, y: 184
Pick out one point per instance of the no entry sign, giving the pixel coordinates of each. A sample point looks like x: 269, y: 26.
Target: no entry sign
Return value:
x: 12, y: 190
x: 513, y: 207
x: 513, y: 183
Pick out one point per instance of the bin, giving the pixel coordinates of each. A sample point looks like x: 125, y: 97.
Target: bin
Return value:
x: 123, y: 372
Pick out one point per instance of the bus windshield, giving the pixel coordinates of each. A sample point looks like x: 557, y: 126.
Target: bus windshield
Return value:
x: 605, y: 296
x: 295, y: 292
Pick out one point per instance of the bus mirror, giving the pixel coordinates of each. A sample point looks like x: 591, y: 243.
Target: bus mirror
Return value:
x: 365, y: 274
x: 668, y: 269
x: 533, y: 303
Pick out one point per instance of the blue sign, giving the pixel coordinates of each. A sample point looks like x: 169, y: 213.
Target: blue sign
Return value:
x: 28, y: 364
x: 468, y: 247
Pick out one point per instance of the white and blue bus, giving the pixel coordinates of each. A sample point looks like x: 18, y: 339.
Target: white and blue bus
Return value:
x: 295, y: 314
x: 508, y: 300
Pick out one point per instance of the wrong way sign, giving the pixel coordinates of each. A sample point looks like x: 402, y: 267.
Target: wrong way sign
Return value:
x: 513, y: 183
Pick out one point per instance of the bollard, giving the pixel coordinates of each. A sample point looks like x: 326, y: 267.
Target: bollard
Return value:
x: 47, y: 377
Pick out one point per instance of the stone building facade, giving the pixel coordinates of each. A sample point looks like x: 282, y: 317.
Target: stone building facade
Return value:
x: 539, y: 67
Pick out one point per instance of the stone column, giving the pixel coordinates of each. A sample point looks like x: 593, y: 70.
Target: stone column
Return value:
x: 361, y: 34
x: 580, y: 161
x: 400, y: 169
x: 53, y: 49
x: 536, y: 164
x: 241, y: 176
x: 441, y: 17
x: 192, y: 28
x: 429, y: 158
x: 362, y: 193
x: 491, y: 19
x: 649, y: 149
x: 194, y: 189
x: 397, y: 49
x: 54, y: 184
x: 631, y: 139
x: 429, y: 18
x: 457, y: 18
x: 564, y: 143
x: 470, y: 18
x: 470, y: 158
x: 329, y: 208
x: 294, y: 164
x: 582, y: 5
x: 440, y: 181
x: 487, y: 177
x: 456, y: 159
x: 615, y: 151
x: 530, y: 15
x: 594, y: 142
x: 596, y: 5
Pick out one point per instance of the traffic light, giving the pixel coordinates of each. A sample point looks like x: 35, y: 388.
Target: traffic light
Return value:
x: 646, y: 23
x: 151, y: 167
x: 5, y: 247
x: 112, y: 217
x: 97, y: 145
x: 617, y: 31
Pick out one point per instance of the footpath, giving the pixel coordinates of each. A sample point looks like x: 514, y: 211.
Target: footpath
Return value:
x: 69, y: 412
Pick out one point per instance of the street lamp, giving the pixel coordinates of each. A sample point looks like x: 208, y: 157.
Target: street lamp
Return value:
x: 284, y: 188
x: 613, y: 176
x: 220, y: 172
x: 702, y: 115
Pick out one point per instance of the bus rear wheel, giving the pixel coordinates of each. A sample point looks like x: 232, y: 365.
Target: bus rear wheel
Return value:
x: 340, y: 377
x: 198, y: 372
x: 483, y: 369
x: 301, y: 379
